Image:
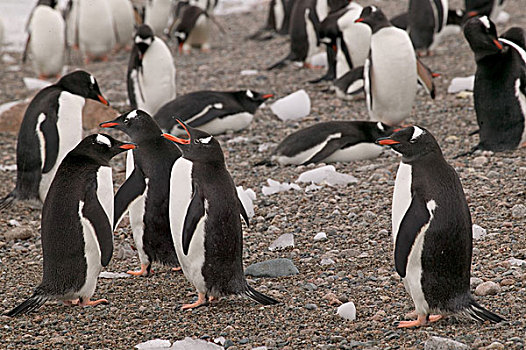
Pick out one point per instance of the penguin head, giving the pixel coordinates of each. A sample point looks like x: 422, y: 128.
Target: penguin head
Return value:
x: 137, y: 124
x: 481, y: 34
x: 381, y: 130
x: 181, y: 36
x: 200, y: 146
x: 101, y: 148
x: 374, y: 18
x: 412, y: 142
x: 251, y: 100
x: 143, y: 39
x: 83, y: 84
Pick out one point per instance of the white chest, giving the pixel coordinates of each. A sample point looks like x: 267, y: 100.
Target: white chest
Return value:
x: 401, y: 196
x: 105, y: 191
x: 92, y: 254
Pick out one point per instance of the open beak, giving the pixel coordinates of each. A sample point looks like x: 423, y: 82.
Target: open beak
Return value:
x: 386, y: 141
x: 108, y: 124
x: 128, y: 146
x: 177, y: 139
x: 498, y: 44
x: 359, y: 20
x: 267, y: 96
x: 103, y: 100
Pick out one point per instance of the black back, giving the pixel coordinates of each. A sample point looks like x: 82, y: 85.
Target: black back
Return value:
x: 421, y: 22
x: 189, y: 17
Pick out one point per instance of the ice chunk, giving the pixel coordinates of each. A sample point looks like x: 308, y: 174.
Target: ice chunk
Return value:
x: 11, y: 167
x: 107, y: 274
x: 154, y: 344
x: 275, y: 187
x: 284, y: 241
x: 459, y: 84
x: 194, y: 344
x: 35, y: 84
x: 478, y: 232
x: 326, y: 175
x: 347, y: 311
x: 293, y: 106
x: 247, y: 197
x: 319, y: 60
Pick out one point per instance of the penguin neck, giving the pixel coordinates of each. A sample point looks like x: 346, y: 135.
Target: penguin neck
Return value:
x: 429, y: 156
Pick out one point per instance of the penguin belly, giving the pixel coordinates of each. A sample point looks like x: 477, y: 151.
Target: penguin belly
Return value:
x: 124, y: 21
x: 96, y: 34
x: 360, y: 151
x: 393, y: 76
x: 72, y: 22
x: 312, y: 41
x: 157, y: 14
x: 200, y: 34
x: 180, y: 198
x: 158, y: 77
x: 47, y: 30
x: 69, y: 129
x: 279, y: 14
x: 234, y: 122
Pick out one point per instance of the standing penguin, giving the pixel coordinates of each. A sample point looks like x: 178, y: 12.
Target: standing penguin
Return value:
x: 157, y: 14
x: 52, y: 126
x: 193, y: 29
x: 215, y: 112
x: 123, y: 22
x: 95, y: 29
x: 431, y: 230
x: 278, y: 20
x: 499, y: 90
x: 77, y: 235
x: 46, y: 39
x: 426, y: 21
x: 145, y: 191
x: 151, y: 72
x: 205, y: 220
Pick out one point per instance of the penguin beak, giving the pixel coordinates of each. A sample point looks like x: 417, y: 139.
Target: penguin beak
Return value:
x: 181, y: 47
x: 386, y: 141
x: 472, y: 14
x: 128, y: 146
x: 103, y: 100
x: 498, y: 44
x: 359, y: 20
x: 108, y: 124
x: 176, y: 139
x: 267, y: 96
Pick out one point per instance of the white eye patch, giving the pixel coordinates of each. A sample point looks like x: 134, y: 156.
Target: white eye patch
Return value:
x: 92, y: 79
x: 206, y: 140
x: 485, y: 21
x: 180, y: 35
x: 132, y: 115
x: 380, y: 126
x: 373, y: 8
x: 416, y: 134
x: 250, y: 94
x: 146, y: 41
x: 103, y: 140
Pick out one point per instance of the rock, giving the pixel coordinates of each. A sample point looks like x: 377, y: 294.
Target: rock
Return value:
x: 320, y: 236
x: 507, y: 282
x: 327, y: 261
x: 294, y: 106
x: 347, y: 311
x: 439, y: 343
x: 480, y: 161
x: 311, y: 306
x: 516, y: 262
x: 125, y: 251
x: 112, y: 275
x: 495, y: 346
x: 518, y: 211
x: 380, y: 315
x: 284, y: 241
x: 332, y: 299
x: 18, y: 233
x: 369, y: 215
x: 154, y: 344
x: 478, y: 232
x: 228, y: 344
x: 487, y: 288
x: 260, y: 348
x: 272, y: 268
x: 474, y: 282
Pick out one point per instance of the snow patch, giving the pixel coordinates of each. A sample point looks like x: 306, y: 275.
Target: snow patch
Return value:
x: 326, y: 175
x: 459, y: 84
x: 294, y: 106
x: 112, y: 275
x: 275, y: 187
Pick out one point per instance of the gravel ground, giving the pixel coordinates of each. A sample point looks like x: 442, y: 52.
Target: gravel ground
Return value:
x: 356, y: 219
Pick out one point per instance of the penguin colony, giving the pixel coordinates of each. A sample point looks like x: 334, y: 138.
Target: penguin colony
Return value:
x: 183, y: 206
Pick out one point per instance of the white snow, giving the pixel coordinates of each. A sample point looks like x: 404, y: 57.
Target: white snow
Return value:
x: 275, y: 187
x: 111, y: 275
x: 326, y: 175
x: 320, y: 236
x: 154, y: 344
x: 249, y: 72
x: 478, y: 232
x: 35, y: 84
x: 11, y: 167
x: 319, y: 60
x: 347, y: 311
x: 459, y: 84
x: 247, y: 197
x: 294, y: 106
x: 284, y: 241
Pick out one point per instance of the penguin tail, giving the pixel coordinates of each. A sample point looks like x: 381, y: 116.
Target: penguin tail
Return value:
x: 468, y: 153
x: 282, y: 63
x: 265, y: 162
x: 259, y: 297
x: 479, y: 313
x: 32, y: 303
x: 8, y: 200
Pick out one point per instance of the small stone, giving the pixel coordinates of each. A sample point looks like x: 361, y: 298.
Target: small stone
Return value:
x: 18, y: 233
x: 228, y: 343
x: 487, y: 288
x: 383, y: 232
x: 517, y: 262
x: 310, y: 287
x: 284, y: 241
x: 369, y: 215
x: 347, y: 311
x: 327, y: 261
x: 478, y: 232
x: 440, y: 343
x: 260, y: 348
x: 311, y: 306
x: 332, y: 299
x: 380, y: 315
x: 349, y: 253
x: 518, y: 211
x: 507, y: 282
x: 493, y: 174
x: 320, y: 236
x: 495, y: 346
x: 474, y: 282
x: 13, y: 223
x: 272, y: 268
x: 479, y: 161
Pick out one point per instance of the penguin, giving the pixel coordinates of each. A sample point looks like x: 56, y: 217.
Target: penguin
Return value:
x: 77, y: 217
x: 157, y: 14
x: 145, y: 191
x: 490, y: 8
x: 215, y: 112
x: 207, y: 5
x: 52, y: 126
x: 335, y: 141
x: 71, y: 16
x: 205, y: 220
x: 151, y: 72
x: 95, y: 29
x: 431, y: 227
x: 46, y: 39
x: 193, y: 29
x: 123, y: 22
x: 426, y: 21
x: 499, y: 91
x: 278, y: 20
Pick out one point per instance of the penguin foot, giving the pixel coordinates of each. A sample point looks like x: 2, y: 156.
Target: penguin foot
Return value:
x: 175, y: 269
x: 311, y: 66
x: 422, y: 320
x: 74, y: 302
x: 89, y: 302
x: 522, y: 145
x: 142, y: 272
x: 201, y: 300
x: 212, y: 299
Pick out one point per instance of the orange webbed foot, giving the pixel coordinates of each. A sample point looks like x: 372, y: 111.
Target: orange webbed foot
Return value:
x: 422, y: 320
x: 175, y: 269
x: 142, y: 272
x: 201, y: 300
x: 89, y: 302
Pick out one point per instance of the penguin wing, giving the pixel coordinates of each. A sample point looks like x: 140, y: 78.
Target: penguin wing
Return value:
x: 243, y: 211
x: 425, y: 77
x: 331, y: 147
x: 416, y: 217
x: 400, y: 20
x: 352, y: 82
x: 194, y: 213
x: 94, y: 212
x: 516, y: 35
x: 212, y: 113
x: 129, y: 191
x: 50, y: 132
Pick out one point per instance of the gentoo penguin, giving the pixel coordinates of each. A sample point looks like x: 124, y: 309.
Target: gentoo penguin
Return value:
x: 193, y: 29
x: 157, y: 14
x: 390, y: 72
x: 490, y: 8
x: 71, y: 15
x: 52, y: 126
x: 205, y: 220
x: 426, y: 20
x: 215, y: 112
x: 46, y: 39
x: 123, y: 22
x: 499, y: 90
x: 145, y: 191
x: 278, y: 20
x: 207, y: 5
x: 95, y: 29
x: 77, y: 217
x: 431, y: 230
x: 328, y: 142
x: 151, y: 72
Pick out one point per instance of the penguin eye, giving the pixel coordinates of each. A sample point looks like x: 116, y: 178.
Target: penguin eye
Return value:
x: 196, y: 141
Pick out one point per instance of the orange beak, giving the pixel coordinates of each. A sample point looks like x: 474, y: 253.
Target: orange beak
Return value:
x: 498, y: 44
x: 359, y: 20
x: 386, y: 142
x: 472, y: 14
x: 397, y: 130
x: 268, y: 96
x: 103, y: 100
x: 177, y: 139
x: 108, y: 124
x: 181, y: 48
x: 128, y: 146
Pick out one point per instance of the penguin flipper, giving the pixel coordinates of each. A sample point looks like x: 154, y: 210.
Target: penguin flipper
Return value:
x: 212, y: 113
x: 414, y: 219
x: 425, y: 77
x: 352, y: 82
x: 50, y: 131
x: 194, y: 213
x: 96, y: 215
x: 400, y: 20
x: 516, y: 35
x: 30, y: 304
x: 129, y: 191
x: 243, y: 212
x: 331, y: 147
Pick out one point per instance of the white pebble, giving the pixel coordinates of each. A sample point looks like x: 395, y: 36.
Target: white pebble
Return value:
x: 478, y: 232
x: 347, y: 311
x: 320, y: 236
